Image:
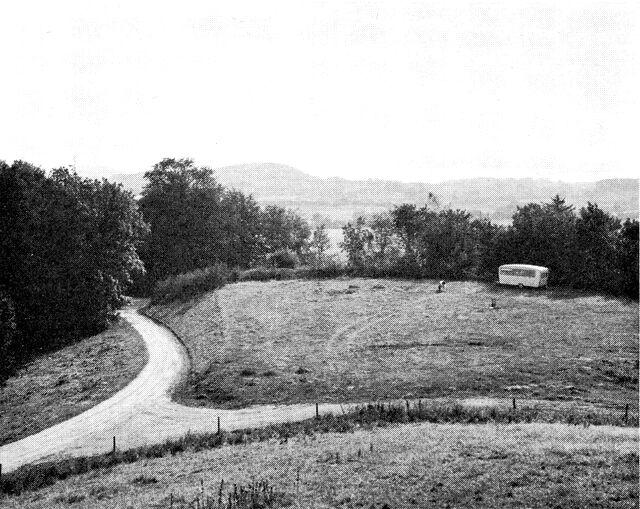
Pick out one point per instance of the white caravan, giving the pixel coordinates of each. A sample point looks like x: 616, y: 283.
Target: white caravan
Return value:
x: 521, y: 275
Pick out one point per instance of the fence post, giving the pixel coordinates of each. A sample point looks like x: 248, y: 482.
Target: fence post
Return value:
x: 514, y: 403
x: 218, y: 425
x: 317, y: 411
x: 114, y: 446
x: 626, y: 413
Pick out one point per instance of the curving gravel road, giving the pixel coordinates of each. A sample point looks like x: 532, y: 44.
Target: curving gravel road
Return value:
x: 142, y: 413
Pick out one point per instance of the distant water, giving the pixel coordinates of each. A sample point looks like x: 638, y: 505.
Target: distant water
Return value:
x: 335, y: 236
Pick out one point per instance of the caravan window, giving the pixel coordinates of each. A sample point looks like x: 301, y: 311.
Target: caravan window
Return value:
x: 518, y: 272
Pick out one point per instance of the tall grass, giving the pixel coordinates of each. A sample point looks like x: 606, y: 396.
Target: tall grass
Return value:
x: 33, y: 477
x: 254, y: 495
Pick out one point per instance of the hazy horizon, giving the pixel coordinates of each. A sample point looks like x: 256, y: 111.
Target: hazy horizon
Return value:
x: 408, y: 91
x: 90, y: 173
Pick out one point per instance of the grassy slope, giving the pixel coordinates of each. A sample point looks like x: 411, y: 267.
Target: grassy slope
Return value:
x: 293, y: 341
x: 523, y: 465
x: 67, y: 382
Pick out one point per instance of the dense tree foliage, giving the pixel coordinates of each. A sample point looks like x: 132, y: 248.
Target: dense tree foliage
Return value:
x: 195, y: 223
x: 68, y: 248
x: 590, y: 250
x: 283, y: 229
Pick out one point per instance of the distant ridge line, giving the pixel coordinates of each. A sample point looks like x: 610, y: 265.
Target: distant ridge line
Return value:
x: 342, y: 199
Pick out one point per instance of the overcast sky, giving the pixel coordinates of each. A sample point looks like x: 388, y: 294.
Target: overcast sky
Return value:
x: 413, y: 91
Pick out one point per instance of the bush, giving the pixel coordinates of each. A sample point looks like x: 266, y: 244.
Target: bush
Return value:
x: 188, y: 285
x: 323, y: 268
x: 283, y: 259
x: 266, y: 274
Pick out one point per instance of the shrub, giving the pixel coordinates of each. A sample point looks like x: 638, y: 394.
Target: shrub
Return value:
x: 266, y: 274
x: 283, y: 259
x: 188, y: 285
x: 324, y: 268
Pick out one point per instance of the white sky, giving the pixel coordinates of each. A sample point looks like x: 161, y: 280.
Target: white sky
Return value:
x: 413, y: 91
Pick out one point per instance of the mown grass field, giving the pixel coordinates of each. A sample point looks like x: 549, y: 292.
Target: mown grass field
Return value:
x: 64, y: 383
x: 413, y: 465
x: 367, y: 339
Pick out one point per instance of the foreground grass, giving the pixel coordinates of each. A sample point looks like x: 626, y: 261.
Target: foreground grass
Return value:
x: 410, y: 465
x: 365, y: 339
x: 33, y: 477
x: 64, y: 383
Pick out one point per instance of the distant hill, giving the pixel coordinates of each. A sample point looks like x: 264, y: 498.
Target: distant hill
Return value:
x: 336, y: 200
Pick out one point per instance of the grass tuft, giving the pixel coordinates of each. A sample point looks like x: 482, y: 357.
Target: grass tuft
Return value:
x: 254, y: 495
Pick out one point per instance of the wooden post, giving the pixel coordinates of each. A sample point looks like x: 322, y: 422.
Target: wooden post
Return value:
x: 317, y: 411
x: 114, y: 446
x: 626, y: 412
x: 408, y: 406
x: 218, y: 425
x: 0, y: 474
x: 514, y: 403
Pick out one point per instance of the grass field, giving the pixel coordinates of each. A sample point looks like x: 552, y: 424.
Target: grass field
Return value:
x: 64, y: 383
x: 419, y: 465
x: 366, y: 339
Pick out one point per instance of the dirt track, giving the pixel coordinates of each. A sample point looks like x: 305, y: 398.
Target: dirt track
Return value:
x: 142, y: 412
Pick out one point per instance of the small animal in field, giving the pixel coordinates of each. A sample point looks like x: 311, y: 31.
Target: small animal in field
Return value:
x: 441, y: 286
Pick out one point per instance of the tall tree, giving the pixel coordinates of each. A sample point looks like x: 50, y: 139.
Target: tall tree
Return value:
x: 241, y: 227
x: 544, y: 234
x: 597, y: 242
x: 356, y: 242
x: 320, y: 241
x: 183, y: 205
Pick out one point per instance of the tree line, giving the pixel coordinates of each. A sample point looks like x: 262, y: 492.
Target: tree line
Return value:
x: 588, y: 249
